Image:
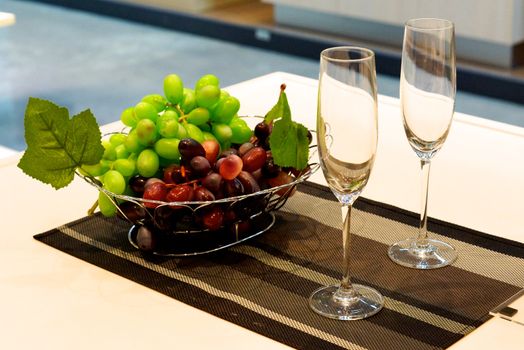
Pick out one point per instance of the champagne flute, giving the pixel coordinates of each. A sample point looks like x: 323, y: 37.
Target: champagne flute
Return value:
x: 347, y: 142
x: 427, y: 95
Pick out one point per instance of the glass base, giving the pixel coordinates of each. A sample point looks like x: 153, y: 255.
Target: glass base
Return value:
x: 364, y: 303
x: 436, y: 254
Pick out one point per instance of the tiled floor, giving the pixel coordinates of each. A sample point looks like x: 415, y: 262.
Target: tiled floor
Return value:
x: 81, y: 60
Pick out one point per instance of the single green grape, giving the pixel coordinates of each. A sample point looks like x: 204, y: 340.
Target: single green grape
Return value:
x: 145, y: 110
x: 205, y: 127
x: 128, y: 117
x: 223, y: 95
x: 106, y: 205
x: 167, y: 124
x: 95, y: 170
x: 173, y: 88
x: 198, y: 116
x: 117, y: 139
x: 226, y: 109
x: 208, y: 136
x: 156, y: 100
x: 168, y: 148
x: 106, y: 163
x: 241, y: 131
x: 208, y: 79
x: 109, y: 150
x: 126, y: 167
x: 222, y: 132
x: 121, y: 151
x: 114, y: 181
x: 182, y: 132
x: 146, y: 132
x: 188, y: 102
x: 147, y: 163
x: 237, y: 120
x: 207, y: 96
x: 132, y: 144
x: 194, y: 132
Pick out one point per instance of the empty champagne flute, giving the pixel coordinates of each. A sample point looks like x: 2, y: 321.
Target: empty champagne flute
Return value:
x: 427, y: 96
x: 347, y: 143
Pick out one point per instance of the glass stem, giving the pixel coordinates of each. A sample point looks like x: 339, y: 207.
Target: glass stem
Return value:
x: 422, y: 239
x: 346, y: 291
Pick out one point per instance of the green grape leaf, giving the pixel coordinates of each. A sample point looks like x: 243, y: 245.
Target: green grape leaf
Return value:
x: 288, y: 141
x: 280, y: 109
x: 58, y: 145
x: 289, y: 144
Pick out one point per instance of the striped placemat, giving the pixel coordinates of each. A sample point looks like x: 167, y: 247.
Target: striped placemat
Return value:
x: 264, y: 284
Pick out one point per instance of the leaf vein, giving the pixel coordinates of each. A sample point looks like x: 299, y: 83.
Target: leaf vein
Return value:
x: 57, y: 139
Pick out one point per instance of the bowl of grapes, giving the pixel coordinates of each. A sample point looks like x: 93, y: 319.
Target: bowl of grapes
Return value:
x: 191, y: 176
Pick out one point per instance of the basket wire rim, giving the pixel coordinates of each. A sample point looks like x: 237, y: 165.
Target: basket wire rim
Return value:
x: 313, y: 167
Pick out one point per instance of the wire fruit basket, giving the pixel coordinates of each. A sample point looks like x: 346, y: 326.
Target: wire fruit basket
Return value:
x: 179, y: 229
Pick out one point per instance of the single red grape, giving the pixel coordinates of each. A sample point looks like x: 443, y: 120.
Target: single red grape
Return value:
x: 249, y: 182
x: 190, y: 148
x: 131, y: 211
x: 212, y: 218
x: 282, y: 178
x: 145, y: 239
x: 200, y: 166
x: 244, y: 148
x: 230, y: 167
x: 165, y: 218
x: 233, y: 188
x: 228, y: 152
x: 212, y: 149
x: 203, y: 194
x: 262, y: 130
x: 254, y: 159
x: 137, y: 183
x: 213, y: 182
x: 182, y: 193
x: 151, y: 181
x: 155, y: 191
x: 270, y: 169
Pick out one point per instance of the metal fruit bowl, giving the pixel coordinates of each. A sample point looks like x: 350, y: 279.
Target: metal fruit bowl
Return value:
x: 178, y: 227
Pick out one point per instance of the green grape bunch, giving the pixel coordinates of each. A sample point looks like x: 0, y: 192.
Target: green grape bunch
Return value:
x: 157, y: 124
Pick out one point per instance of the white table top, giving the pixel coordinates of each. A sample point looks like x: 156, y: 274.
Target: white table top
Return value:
x: 51, y: 300
x: 6, y: 19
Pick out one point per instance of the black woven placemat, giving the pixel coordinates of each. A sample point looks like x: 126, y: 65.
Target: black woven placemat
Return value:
x: 264, y: 284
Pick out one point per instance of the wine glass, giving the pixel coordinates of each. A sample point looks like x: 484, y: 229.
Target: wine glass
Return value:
x: 347, y: 142
x: 427, y: 95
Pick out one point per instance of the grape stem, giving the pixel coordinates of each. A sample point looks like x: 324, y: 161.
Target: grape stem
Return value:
x: 182, y: 184
x: 179, y: 110
x: 91, y: 210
